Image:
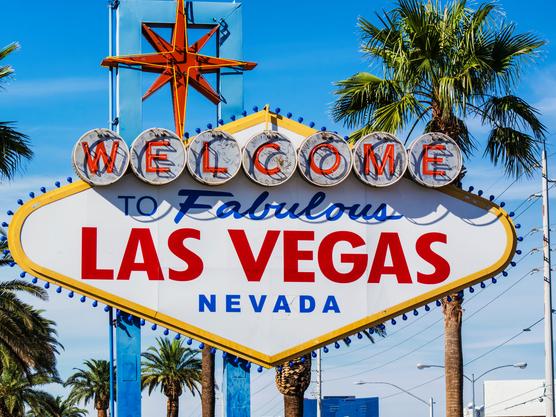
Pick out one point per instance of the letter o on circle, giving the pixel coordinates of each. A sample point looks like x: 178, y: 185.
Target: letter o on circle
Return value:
x: 324, y: 159
x: 269, y: 158
x: 379, y: 159
x: 157, y: 156
x: 435, y: 160
x: 213, y: 157
x: 100, y: 157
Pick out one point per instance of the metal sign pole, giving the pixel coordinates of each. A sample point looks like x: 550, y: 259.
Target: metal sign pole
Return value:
x: 549, y: 358
x: 111, y: 7
x: 319, y: 383
x: 111, y: 344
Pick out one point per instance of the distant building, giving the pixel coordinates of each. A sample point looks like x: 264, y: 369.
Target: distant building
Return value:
x: 514, y: 398
x: 342, y: 406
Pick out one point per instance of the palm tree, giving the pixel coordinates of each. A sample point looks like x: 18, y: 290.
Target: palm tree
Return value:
x: 19, y: 391
x: 91, y: 384
x: 14, y: 146
x: 293, y: 377
x: 27, y: 339
x: 443, y: 66
x: 207, y: 382
x: 59, y: 407
x: 172, y: 367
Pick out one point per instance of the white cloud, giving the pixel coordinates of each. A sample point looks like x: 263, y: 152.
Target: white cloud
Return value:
x: 49, y: 87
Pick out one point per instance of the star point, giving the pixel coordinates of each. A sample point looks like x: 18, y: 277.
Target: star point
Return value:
x: 179, y: 65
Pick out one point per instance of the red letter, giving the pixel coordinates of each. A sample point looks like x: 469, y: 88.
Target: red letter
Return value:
x: 206, y: 162
x: 253, y: 267
x: 100, y: 152
x: 330, y: 170
x: 160, y: 156
x: 389, y: 242
x: 388, y: 158
x: 441, y: 265
x: 151, y: 265
x: 432, y: 160
x: 260, y: 166
x: 357, y: 260
x: 177, y: 247
x: 89, y: 268
x: 292, y: 256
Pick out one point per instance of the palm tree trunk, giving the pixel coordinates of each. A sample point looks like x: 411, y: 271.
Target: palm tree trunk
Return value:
x: 172, y: 407
x: 292, y: 379
x: 207, y: 382
x: 453, y: 355
x: 4, y: 410
x: 293, y: 405
x: 102, y: 412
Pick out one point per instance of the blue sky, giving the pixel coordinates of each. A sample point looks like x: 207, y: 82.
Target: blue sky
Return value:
x: 59, y: 91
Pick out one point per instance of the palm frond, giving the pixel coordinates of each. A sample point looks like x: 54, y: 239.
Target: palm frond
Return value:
x: 516, y: 151
x: 14, y: 147
x: 360, y: 95
x: 512, y: 111
x: 6, y: 70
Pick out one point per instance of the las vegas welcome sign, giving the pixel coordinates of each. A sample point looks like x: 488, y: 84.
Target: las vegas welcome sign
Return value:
x: 264, y: 238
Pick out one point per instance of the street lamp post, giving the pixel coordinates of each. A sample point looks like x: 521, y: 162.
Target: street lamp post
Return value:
x: 520, y: 365
x: 429, y: 403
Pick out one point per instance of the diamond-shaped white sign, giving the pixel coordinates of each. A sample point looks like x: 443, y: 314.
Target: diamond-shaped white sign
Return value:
x: 265, y: 273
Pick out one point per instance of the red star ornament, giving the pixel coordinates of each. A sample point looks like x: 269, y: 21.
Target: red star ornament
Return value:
x: 179, y: 64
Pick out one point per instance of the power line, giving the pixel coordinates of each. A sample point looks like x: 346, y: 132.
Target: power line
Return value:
x: 516, y: 396
x: 468, y: 317
x: 389, y: 349
x: 488, y: 352
x: 428, y: 342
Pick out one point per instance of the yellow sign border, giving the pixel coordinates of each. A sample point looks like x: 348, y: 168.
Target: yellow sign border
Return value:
x: 16, y: 225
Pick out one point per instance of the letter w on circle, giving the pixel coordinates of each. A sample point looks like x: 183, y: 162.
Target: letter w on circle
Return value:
x: 100, y: 152
x: 253, y: 267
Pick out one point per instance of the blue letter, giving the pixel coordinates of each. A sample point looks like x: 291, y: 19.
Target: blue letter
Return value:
x: 303, y: 307
x: 143, y: 213
x: 191, y: 198
x: 204, y: 302
x: 232, y: 303
x: 257, y: 308
x: 281, y: 304
x: 126, y: 202
x: 331, y: 304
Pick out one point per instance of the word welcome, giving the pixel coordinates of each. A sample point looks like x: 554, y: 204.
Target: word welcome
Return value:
x: 214, y: 157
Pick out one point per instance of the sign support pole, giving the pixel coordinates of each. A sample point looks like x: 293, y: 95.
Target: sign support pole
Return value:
x: 236, y: 388
x: 111, y: 345
x: 236, y: 392
x: 319, y: 383
x: 128, y: 358
x: 111, y: 7
x: 548, y: 354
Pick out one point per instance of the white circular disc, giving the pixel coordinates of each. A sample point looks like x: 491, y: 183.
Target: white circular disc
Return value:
x: 269, y: 158
x: 435, y: 160
x: 157, y: 156
x: 379, y: 159
x: 100, y: 157
x: 213, y: 157
x: 324, y: 159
